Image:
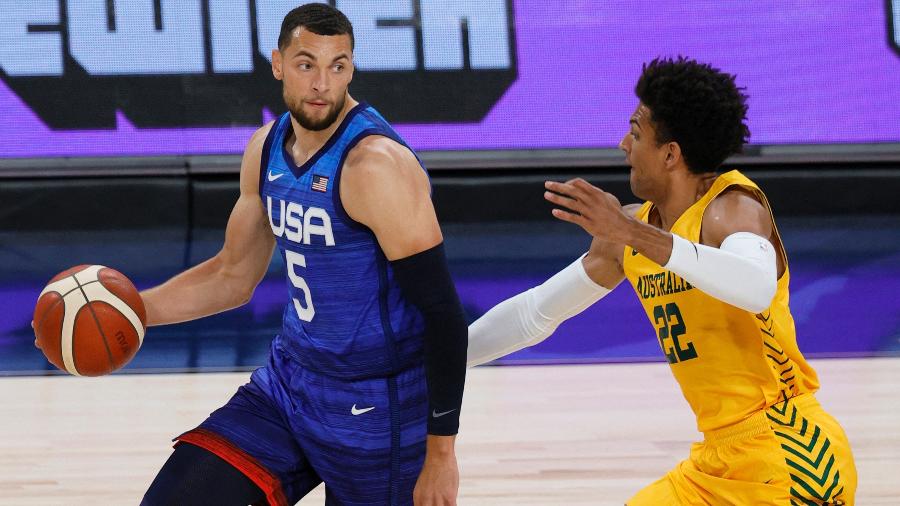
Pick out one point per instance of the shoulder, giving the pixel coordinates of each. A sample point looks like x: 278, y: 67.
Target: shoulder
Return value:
x: 632, y: 209
x: 257, y: 140
x: 378, y: 158
x: 250, y: 164
x: 380, y: 152
x: 735, y: 201
x: 383, y: 187
x: 737, y: 209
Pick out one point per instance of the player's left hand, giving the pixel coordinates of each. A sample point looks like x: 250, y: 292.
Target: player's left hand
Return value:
x: 36, y: 344
x: 599, y: 213
x: 438, y: 482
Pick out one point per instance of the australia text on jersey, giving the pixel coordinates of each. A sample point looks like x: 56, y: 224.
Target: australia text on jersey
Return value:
x: 660, y: 284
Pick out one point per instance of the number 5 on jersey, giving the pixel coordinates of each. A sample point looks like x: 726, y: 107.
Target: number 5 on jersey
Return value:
x: 293, y: 259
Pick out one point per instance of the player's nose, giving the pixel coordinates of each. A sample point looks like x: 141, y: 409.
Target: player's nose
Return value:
x: 321, y: 81
x: 625, y: 143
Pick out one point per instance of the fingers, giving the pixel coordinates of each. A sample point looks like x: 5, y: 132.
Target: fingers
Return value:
x: 568, y: 189
x: 563, y: 201
x: 575, y: 195
x: 568, y: 216
x: 577, y: 188
x: 583, y: 185
x: 36, y: 343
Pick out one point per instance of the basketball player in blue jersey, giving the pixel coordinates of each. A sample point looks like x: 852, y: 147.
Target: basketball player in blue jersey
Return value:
x: 364, y: 385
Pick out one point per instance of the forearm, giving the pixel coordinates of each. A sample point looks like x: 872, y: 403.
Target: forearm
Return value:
x: 440, y: 446
x: 649, y: 241
x: 202, y: 290
x: 530, y: 317
x: 426, y: 283
x: 445, y: 366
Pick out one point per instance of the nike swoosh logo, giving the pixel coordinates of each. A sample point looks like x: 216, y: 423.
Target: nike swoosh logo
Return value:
x: 272, y: 176
x: 435, y: 414
x: 357, y: 412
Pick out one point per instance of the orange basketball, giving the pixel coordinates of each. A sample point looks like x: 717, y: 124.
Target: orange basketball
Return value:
x: 89, y: 320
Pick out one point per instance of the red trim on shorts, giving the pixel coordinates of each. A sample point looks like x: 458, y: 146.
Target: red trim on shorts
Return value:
x: 229, y: 452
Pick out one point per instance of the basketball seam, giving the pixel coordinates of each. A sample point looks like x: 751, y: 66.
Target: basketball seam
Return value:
x: 88, y: 301
x: 62, y: 298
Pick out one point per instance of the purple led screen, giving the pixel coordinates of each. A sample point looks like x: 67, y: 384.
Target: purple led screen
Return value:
x: 816, y: 72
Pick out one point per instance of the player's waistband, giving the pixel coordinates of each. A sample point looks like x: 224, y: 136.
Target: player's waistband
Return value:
x: 326, y: 365
x: 757, y: 423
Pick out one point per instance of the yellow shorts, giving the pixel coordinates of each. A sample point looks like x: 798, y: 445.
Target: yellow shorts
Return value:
x: 793, y: 453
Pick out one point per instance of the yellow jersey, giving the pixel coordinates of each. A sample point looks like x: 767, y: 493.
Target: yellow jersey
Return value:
x: 730, y: 363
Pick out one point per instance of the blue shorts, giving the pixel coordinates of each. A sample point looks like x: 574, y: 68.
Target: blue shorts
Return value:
x: 289, y: 429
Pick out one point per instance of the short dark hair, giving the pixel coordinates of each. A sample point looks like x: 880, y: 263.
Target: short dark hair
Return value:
x: 321, y: 19
x: 698, y: 106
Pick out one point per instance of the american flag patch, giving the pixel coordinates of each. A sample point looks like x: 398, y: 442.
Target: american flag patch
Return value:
x: 319, y: 183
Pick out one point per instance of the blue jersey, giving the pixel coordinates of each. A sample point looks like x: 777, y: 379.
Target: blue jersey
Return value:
x: 345, y: 316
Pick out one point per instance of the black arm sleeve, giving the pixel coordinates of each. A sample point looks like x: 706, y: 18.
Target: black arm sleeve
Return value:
x: 426, y: 283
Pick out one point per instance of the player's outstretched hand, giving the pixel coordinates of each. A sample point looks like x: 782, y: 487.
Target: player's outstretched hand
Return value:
x: 597, y: 212
x: 438, y: 482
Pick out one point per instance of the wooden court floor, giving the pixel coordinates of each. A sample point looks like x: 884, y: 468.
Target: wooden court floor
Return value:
x: 531, y: 435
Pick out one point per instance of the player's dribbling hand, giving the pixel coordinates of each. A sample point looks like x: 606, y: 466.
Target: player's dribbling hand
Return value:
x: 36, y: 344
x: 438, y: 482
x: 599, y: 213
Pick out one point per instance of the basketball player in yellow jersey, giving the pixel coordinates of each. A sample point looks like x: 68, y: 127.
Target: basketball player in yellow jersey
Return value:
x: 708, y: 266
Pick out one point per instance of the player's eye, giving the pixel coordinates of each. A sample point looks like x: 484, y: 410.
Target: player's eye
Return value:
x: 339, y: 67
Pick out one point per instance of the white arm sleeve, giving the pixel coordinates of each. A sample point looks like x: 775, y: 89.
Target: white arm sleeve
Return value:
x: 742, y: 272
x: 531, y: 316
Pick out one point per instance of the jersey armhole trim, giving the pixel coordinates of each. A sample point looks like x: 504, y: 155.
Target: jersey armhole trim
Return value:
x: 266, y: 155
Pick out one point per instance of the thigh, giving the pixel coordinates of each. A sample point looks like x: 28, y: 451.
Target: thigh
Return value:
x: 251, y: 432
x: 658, y: 493
x: 816, y: 452
x: 366, y: 439
x: 748, y: 471
x: 194, y: 476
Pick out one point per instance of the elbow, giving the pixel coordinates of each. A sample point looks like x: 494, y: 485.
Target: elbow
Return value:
x: 237, y: 288
x: 242, y: 295
x: 762, y: 296
x: 244, y: 298
x: 539, y: 333
x: 239, y: 291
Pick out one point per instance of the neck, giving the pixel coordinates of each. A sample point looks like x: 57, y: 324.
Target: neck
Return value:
x: 684, y: 190
x: 305, y: 143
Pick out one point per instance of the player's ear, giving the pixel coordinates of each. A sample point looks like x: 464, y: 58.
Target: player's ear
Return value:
x: 277, y: 69
x: 673, y: 154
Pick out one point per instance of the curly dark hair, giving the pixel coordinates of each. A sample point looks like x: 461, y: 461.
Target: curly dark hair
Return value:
x: 698, y: 106
x: 320, y: 19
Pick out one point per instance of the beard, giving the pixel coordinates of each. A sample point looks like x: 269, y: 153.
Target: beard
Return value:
x: 308, y: 122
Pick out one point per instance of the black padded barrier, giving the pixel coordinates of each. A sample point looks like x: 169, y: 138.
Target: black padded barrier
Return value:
x: 205, y: 201
x: 93, y: 203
